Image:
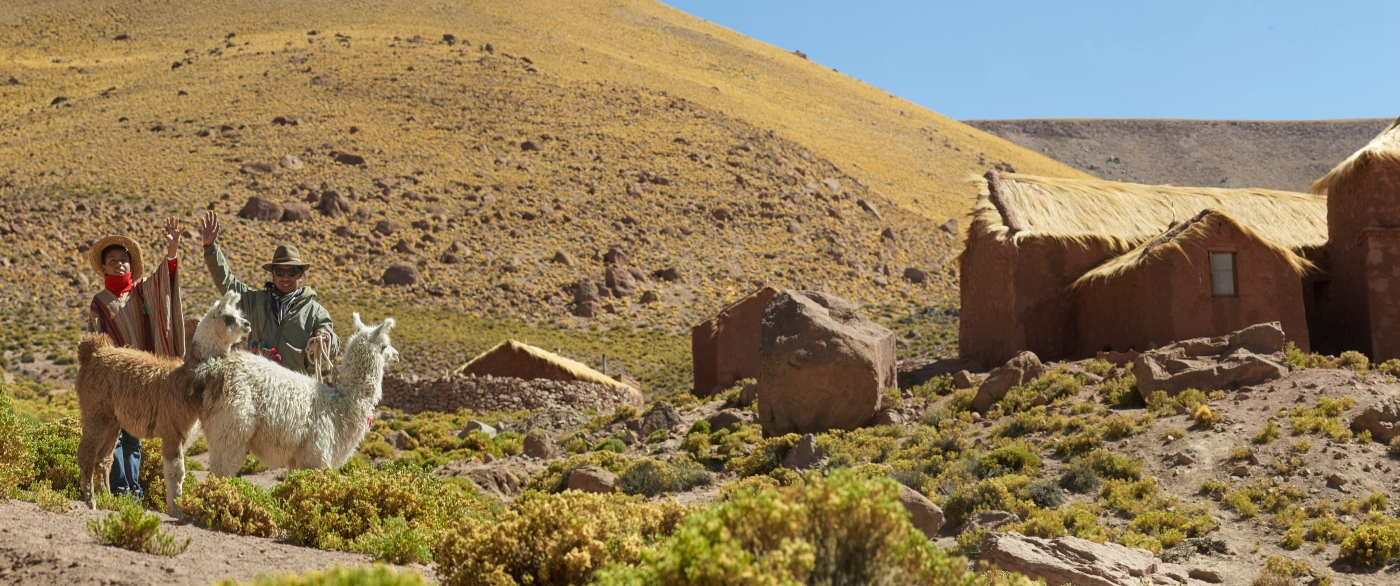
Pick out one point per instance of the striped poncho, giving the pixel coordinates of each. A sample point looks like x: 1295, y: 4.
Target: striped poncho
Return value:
x: 148, y: 317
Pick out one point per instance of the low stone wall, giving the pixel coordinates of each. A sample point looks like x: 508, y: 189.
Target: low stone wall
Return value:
x: 489, y: 393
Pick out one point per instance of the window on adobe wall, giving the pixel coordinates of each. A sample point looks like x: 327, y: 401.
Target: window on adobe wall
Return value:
x: 1222, y: 274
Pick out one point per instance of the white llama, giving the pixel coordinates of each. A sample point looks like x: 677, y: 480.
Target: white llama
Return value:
x: 290, y: 419
x: 149, y: 396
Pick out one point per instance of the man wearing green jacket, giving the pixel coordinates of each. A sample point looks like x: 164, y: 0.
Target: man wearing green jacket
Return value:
x: 288, y: 323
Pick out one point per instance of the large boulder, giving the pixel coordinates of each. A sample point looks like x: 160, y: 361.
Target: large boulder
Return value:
x: 1250, y: 356
x: 661, y: 416
x: 592, y: 479
x: 925, y: 515
x: 1071, y: 560
x: 257, y: 208
x: 822, y: 365
x: 1022, y: 369
x: 1381, y: 418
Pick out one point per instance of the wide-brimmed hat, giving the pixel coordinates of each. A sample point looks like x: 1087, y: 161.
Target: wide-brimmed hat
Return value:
x: 132, y: 248
x: 286, y: 255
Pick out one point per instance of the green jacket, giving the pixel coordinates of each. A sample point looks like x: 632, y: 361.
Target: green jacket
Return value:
x: 304, y: 318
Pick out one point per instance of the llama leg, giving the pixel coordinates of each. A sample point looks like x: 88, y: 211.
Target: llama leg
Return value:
x: 226, y: 461
x: 104, y: 441
x: 174, y: 474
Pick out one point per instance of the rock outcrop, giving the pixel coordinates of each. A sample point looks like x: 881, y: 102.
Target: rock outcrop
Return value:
x: 822, y: 365
x: 1381, y: 418
x: 925, y: 515
x: 1248, y: 357
x: 1071, y: 560
x: 1022, y: 369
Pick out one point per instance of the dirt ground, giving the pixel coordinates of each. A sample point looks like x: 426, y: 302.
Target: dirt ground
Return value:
x: 38, y: 547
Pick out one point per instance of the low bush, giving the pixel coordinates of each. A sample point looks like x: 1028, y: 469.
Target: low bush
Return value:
x: 1009, y: 459
x: 1204, y: 417
x: 361, y: 576
x: 1269, y: 433
x: 767, y: 455
x: 752, y: 483
x: 551, y: 539
x: 1046, y: 494
x: 650, y: 477
x: 132, y: 528
x: 613, y: 445
x: 396, y: 543
x: 14, y: 455
x: 1390, y: 367
x: 52, y: 450
x: 1373, y: 544
x: 231, y: 505
x: 1355, y: 361
x: 1099, y: 367
x: 842, y: 529
x: 1296, y: 357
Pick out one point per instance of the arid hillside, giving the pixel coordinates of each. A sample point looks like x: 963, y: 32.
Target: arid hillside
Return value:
x: 1286, y: 155
x: 501, y: 149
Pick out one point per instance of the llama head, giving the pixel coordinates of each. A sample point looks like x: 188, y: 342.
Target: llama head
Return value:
x: 377, y: 337
x: 222, y: 327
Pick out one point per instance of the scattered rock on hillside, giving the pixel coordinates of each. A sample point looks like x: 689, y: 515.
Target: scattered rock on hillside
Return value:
x: 589, y: 308
x: 669, y: 274
x: 258, y: 168
x: 925, y: 515
x: 538, y: 445
x: 1071, y: 560
x: 474, y: 425
x: 347, y: 158
x: 386, y: 227
x: 951, y: 227
x: 1020, y: 370
x: 1247, y: 357
x: 334, y: 204
x: 1381, y: 418
x: 748, y: 394
x: 563, y: 258
x: 530, y: 145
x: 622, y: 283
x: 257, y: 208
x: 291, y: 162
x: 402, y: 274
x: 449, y: 258
x: 989, y: 520
x: 399, y: 439
x: 728, y: 417
x: 296, y: 211
x: 964, y: 380
x: 661, y: 416
x: 592, y: 479
x: 869, y: 207
x: 822, y: 365
x: 617, y: 256
x: 805, y: 454
x: 915, y: 275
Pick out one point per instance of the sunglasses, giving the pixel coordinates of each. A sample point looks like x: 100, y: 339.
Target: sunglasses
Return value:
x: 291, y: 272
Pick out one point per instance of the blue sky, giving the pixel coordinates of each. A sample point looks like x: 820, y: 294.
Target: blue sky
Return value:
x: 1121, y: 59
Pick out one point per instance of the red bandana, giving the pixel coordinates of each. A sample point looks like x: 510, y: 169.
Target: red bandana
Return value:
x: 118, y: 285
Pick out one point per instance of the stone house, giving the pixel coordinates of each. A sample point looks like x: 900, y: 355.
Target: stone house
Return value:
x: 1032, y: 238
x: 1203, y: 277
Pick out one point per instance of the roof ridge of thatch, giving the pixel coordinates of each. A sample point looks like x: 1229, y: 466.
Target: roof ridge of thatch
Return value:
x: 1384, y: 147
x: 1172, y: 240
x: 1014, y: 207
x: 578, y: 369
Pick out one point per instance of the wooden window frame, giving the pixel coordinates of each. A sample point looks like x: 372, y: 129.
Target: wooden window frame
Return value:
x: 1234, y: 273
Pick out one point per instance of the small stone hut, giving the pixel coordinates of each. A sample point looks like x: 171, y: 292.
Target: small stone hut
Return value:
x: 523, y: 361
x: 1033, y: 237
x: 1363, y: 219
x: 1205, y: 276
x: 724, y: 348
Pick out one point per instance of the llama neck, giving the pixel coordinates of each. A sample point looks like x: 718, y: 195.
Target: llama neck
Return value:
x: 362, y: 377
x: 359, y: 390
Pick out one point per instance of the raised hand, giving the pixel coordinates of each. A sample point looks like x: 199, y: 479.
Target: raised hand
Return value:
x: 172, y: 236
x: 209, y: 228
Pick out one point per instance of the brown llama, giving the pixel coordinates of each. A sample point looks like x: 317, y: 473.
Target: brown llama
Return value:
x: 149, y: 396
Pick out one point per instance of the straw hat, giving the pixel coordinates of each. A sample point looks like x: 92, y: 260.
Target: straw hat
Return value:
x: 286, y: 255
x: 132, y: 248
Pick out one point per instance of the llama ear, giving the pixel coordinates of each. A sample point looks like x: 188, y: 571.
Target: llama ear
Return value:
x: 230, y: 299
x: 359, y: 325
x: 383, y: 328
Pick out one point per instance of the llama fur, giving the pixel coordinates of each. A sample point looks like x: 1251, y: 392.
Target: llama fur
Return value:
x: 149, y: 396
x: 289, y: 419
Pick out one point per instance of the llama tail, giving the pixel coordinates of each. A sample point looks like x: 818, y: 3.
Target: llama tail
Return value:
x: 89, y: 346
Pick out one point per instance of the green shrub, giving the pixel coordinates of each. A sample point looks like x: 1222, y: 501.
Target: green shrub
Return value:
x: 1009, y: 459
x: 1081, y: 477
x: 1204, y: 417
x: 132, y: 528
x: 199, y: 446
x: 1355, y: 361
x: 1390, y: 367
x: 395, y: 542
x: 231, y: 505
x: 251, y: 465
x: 1099, y: 367
x: 362, y: 576
x: 1373, y: 544
x: 1269, y: 433
x: 1295, y: 357
x: 553, y: 539
x: 330, y: 509
x: 1056, y: 385
x: 1046, y: 495
x: 53, y: 454
x: 1122, y: 391
x: 842, y: 529
x: 970, y: 543
x: 14, y: 456
x: 613, y: 445
x: 650, y: 477
x: 555, y: 477
x: 767, y: 455
x: 751, y: 483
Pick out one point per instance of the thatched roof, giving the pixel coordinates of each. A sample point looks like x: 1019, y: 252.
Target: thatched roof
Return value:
x: 578, y: 370
x: 1015, y: 206
x: 1385, y: 147
x: 1171, y: 241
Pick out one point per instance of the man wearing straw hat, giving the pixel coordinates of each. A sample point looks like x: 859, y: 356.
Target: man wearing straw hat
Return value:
x: 142, y: 312
x: 289, y: 326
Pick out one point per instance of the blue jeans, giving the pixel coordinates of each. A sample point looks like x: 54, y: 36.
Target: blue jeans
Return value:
x: 126, y: 466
